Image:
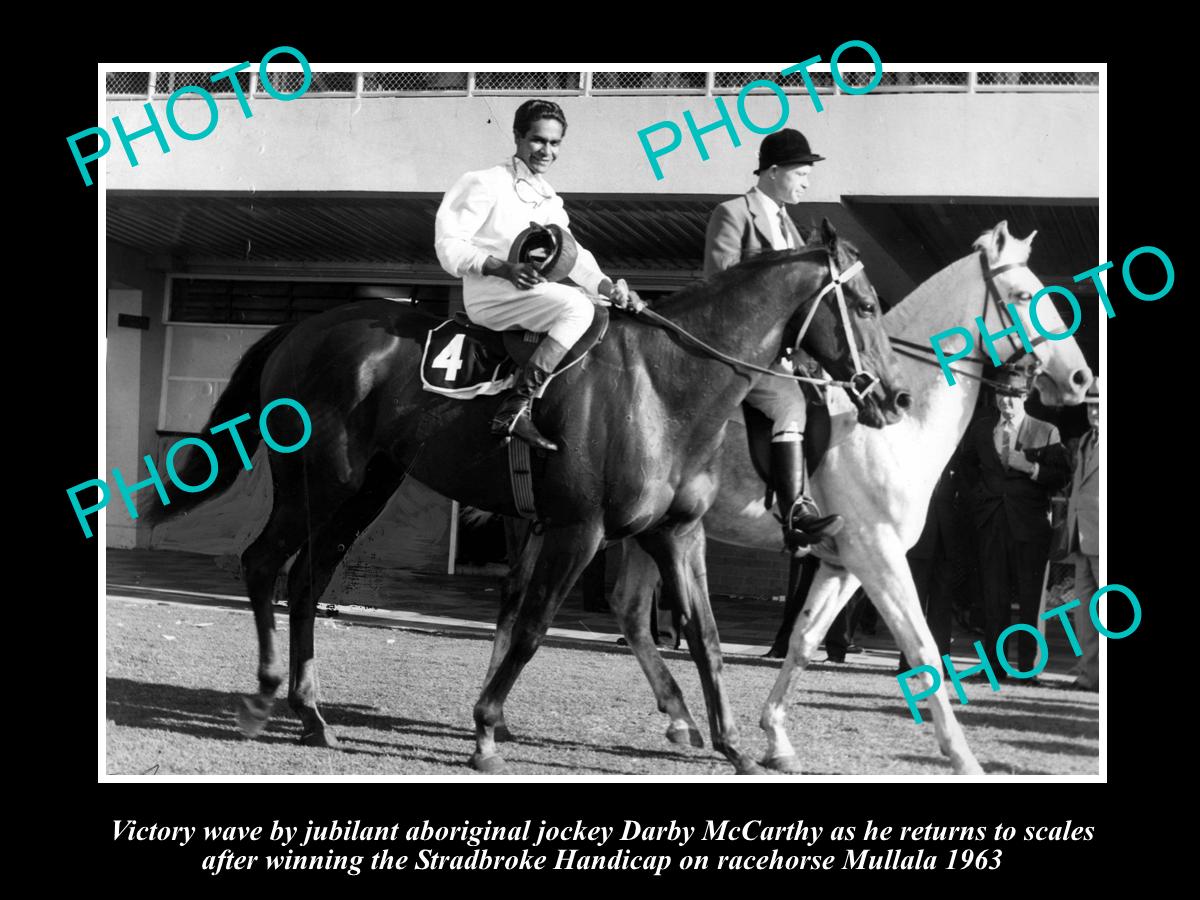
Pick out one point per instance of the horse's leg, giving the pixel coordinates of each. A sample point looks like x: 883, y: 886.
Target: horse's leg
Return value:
x: 516, y: 583
x: 631, y: 600
x: 830, y: 591
x: 307, y: 581
x: 679, y: 552
x: 888, y: 581
x: 565, y: 553
x: 261, y: 561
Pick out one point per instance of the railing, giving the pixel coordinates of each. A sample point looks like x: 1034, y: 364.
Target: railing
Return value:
x: 152, y: 85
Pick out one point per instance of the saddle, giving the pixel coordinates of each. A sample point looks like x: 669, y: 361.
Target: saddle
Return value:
x: 464, y: 360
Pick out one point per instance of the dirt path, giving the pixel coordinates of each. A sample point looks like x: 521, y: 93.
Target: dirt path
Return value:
x: 401, y: 702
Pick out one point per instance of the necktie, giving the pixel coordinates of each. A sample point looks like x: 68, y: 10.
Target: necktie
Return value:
x: 785, y: 228
x: 1005, y: 441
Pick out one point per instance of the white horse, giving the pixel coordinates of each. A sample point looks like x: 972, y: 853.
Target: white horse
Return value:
x: 881, y: 480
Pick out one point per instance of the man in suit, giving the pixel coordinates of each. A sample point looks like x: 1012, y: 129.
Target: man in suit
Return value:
x: 738, y: 229
x: 1019, y: 461
x: 1083, y: 526
x: 931, y: 561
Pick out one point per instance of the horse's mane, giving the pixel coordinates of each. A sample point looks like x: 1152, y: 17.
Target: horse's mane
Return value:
x: 897, y: 319
x: 735, y: 275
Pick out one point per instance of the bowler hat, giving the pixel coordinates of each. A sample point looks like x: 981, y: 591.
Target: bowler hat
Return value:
x: 785, y: 148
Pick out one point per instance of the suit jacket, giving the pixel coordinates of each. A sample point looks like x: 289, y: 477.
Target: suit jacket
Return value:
x: 737, y: 230
x: 942, y: 535
x: 1003, y: 497
x: 1083, y: 509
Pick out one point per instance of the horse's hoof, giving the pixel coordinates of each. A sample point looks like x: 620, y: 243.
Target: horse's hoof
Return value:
x: 322, y: 737
x: 685, y: 736
x: 489, y: 765
x: 501, y: 733
x: 789, y: 765
x: 253, y: 714
x: 969, y: 767
x: 750, y: 767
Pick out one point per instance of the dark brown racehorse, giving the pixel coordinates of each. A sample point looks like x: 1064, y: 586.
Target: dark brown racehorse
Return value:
x: 639, y: 422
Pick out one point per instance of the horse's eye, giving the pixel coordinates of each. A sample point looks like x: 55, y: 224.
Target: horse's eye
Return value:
x: 1023, y: 296
x: 866, y: 309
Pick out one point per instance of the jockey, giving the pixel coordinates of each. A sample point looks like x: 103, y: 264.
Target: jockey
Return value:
x: 477, y: 223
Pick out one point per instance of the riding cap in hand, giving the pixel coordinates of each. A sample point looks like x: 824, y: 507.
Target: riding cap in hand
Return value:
x: 548, y: 248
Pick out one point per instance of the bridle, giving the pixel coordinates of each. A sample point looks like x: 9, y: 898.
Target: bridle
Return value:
x: 861, y: 382
x: 991, y: 296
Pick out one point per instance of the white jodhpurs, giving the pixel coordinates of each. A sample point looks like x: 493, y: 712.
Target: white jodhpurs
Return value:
x: 562, y: 311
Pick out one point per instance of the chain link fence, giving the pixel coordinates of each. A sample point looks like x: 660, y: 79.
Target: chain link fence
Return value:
x: 528, y: 82
x: 911, y: 82
x: 733, y: 82
x: 166, y: 83
x: 130, y: 85
x: 378, y: 84
x: 127, y: 84
x: 329, y: 84
x: 1037, y: 81
x: 649, y: 82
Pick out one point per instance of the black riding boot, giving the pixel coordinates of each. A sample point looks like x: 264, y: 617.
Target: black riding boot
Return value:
x: 803, y: 523
x: 513, y: 417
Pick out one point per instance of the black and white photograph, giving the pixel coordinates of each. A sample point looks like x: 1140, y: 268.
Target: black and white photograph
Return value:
x: 675, y: 420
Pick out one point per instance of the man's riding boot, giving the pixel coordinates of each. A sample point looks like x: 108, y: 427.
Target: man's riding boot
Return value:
x: 802, y: 522
x: 513, y: 417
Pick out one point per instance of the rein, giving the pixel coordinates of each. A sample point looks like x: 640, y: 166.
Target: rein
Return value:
x: 907, y: 348
x: 861, y: 383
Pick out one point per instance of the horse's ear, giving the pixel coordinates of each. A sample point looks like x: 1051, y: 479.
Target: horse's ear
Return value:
x: 828, y: 233
x: 1000, y: 237
x: 1029, y: 240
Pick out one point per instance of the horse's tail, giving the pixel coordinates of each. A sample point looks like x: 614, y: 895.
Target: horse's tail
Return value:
x: 241, y: 396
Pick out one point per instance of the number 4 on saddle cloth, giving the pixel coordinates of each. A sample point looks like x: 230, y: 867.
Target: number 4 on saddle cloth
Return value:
x: 463, y: 360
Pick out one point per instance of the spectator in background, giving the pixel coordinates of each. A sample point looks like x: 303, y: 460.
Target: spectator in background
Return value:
x: 1083, y: 528
x: 839, y: 640
x: 930, y: 560
x: 1017, y: 462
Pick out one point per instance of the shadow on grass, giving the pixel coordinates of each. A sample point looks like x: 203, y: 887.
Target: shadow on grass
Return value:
x: 205, y: 713
x: 1083, y: 711
x: 1056, y: 747
x: 974, y: 714
x: 991, y: 768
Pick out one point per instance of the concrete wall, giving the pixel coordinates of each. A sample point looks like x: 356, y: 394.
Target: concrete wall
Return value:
x: 133, y: 368
x: 987, y: 144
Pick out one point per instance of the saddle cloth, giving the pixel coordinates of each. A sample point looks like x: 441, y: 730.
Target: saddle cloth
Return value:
x: 463, y: 360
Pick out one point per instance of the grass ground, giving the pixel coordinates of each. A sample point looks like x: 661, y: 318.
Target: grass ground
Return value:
x: 400, y: 701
